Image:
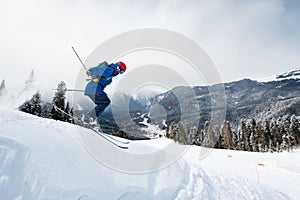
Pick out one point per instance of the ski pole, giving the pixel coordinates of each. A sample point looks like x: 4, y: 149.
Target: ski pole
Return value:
x: 80, y: 59
x: 72, y: 90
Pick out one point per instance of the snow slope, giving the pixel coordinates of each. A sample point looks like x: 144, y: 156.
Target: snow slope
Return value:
x: 45, y: 159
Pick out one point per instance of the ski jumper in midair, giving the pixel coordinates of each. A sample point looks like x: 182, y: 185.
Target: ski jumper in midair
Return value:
x: 99, y: 77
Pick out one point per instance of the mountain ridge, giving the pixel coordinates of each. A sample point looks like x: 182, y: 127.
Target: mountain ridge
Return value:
x: 245, y: 99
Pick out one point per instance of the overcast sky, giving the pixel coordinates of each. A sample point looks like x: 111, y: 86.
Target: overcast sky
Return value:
x: 243, y: 38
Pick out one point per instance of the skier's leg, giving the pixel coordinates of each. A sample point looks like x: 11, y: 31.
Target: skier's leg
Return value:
x: 102, y: 101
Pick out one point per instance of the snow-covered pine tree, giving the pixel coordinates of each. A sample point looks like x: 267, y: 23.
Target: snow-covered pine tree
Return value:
x: 181, y: 134
x: 248, y: 132
x: 33, y: 106
x: 244, y: 142
x: 217, y: 137
x: 208, y: 140
x: 285, y: 142
x: 37, y: 104
x: 59, y: 101
x: 26, y: 107
x: 280, y: 132
x: 169, y: 131
x: 235, y: 139
x: 261, y: 144
x: 46, y: 108
x: 200, y: 138
x: 267, y: 134
x: 30, y: 81
x: 253, y: 136
x: 295, y: 129
x: 273, y: 133
x: 226, y: 134
x: 286, y: 137
x: 193, y: 135
x: 2, y: 87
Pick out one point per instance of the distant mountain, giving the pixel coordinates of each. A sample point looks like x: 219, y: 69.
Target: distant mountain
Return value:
x: 245, y: 99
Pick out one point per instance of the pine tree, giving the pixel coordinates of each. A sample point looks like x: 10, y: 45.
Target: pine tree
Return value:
x: 172, y: 132
x: 286, y: 143
x: 200, y: 138
x: 46, y: 108
x: 226, y: 134
x: 253, y: 136
x: 235, y: 140
x: 193, y: 135
x: 295, y: 130
x: 2, y: 87
x: 208, y: 135
x: 169, y: 131
x: 188, y: 135
x: 267, y: 134
x: 26, y: 107
x: 274, y: 131
x: 261, y: 143
x: 181, y: 134
x: 37, y: 104
x: 280, y: 132
x: 244, y: 141
x: 32, y: 106
x: 217, y: 137
x: 59, y: 101
x: 30, y: 81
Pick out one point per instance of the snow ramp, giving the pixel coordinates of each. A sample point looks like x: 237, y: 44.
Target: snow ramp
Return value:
x: 45, y: 159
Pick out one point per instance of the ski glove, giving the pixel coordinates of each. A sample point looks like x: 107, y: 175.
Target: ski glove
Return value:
x: 96, y: 80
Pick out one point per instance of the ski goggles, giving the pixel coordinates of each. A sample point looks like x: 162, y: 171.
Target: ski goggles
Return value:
x: 121, y: 71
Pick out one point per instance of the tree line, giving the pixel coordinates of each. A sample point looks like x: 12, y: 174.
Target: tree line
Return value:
x: 36, y: 106
x: 252, y: 135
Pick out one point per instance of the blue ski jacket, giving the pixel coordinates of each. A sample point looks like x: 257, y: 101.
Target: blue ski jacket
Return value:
x: 100, y: 76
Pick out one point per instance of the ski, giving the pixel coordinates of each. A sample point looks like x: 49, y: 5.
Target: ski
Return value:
x: 106, y: 135
x: 90, y: 126
x: 103, y: 135
x: 112, y: 142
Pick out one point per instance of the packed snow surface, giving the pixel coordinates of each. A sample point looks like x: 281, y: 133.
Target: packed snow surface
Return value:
x: 46, y: 159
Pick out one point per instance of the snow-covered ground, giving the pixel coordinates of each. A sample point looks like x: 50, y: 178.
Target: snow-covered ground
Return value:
x: 46, y: 159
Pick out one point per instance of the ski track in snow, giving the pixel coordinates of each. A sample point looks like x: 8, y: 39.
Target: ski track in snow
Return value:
x: 45, y: 159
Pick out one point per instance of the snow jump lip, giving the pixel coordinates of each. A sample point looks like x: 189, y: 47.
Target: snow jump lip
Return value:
x: 128, y: 160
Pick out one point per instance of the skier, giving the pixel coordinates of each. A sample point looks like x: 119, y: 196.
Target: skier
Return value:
x: 99, y: 77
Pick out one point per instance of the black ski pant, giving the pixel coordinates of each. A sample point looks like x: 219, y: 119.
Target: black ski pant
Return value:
x: 101, y: 101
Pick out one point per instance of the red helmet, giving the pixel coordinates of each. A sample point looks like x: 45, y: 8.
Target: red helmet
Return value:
x: 122, y: 67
